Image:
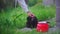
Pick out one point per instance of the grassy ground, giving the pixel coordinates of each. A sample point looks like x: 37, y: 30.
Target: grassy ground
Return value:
x: 35, y: 32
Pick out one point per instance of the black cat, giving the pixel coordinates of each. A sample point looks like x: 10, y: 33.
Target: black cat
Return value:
x: 31, y: 22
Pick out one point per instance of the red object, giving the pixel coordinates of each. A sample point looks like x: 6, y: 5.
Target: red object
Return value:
x: 42, y: 27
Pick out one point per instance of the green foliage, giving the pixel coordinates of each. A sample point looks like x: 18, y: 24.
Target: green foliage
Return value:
x: 52, y: 22
x: 39, y: 1
x: 43, y: 13
x: 33, y: 2
x: 5, y: 25
x: 16, y: 18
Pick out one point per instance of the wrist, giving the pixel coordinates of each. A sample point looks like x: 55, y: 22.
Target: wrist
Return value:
x: 28, y: 12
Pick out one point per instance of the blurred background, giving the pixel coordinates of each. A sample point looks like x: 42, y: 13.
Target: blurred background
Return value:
x: 13, y: 17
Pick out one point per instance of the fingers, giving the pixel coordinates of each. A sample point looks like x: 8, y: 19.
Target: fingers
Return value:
x: 30, y: 14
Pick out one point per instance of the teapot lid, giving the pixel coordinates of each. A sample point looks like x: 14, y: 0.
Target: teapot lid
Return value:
x: 42, y: 22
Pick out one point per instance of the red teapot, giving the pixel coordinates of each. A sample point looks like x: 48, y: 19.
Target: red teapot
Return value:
x: 42, y: 26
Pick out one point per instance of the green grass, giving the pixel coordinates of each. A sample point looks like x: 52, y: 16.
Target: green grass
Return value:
x: 43, y: 13
x: 16, y: 18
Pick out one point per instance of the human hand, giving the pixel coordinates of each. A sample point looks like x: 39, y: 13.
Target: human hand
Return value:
x: 30, y: 14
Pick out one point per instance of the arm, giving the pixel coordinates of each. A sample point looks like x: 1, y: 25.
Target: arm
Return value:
x: 23, y: 5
